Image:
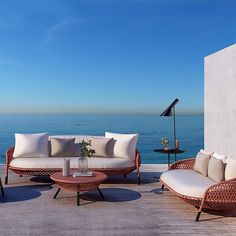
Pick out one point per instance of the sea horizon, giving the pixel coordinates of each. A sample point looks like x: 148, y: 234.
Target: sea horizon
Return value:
x: 102, y: 113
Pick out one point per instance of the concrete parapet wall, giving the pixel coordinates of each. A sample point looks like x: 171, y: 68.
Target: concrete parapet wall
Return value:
x: 220, y: 101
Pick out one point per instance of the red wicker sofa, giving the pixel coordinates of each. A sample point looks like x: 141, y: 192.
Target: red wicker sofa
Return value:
x: 219, y: 196
x: 121, y: 166
x: 45, y: 172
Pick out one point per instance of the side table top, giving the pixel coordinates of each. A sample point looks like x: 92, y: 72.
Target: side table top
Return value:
x: 170, y: 151
x: 98, y: 177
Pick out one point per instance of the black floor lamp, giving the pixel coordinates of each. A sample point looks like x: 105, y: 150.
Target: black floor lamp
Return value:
x: 170, y: 111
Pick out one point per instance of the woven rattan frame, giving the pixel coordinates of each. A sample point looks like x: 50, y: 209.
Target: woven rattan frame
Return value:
x: 48, y: 172
x: 221, y: 196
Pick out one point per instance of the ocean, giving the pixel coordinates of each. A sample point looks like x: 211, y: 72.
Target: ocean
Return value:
x: 151, y: 128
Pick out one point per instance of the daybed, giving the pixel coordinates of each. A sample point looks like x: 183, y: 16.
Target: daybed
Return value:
x: 41, y: 166
x: 199, y: 190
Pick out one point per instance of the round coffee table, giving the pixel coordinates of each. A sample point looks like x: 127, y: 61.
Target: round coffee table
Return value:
x: 79, y: 184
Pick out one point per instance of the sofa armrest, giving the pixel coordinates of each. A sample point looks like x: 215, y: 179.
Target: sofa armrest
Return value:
x: 183, y: 164
x: 137, y: 158
x: 222, y: 192
x: 9, y: 157
x: 137, y: 164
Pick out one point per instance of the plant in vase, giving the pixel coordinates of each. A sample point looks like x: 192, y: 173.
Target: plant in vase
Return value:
x: 85, y: 152
x: 165, y: 142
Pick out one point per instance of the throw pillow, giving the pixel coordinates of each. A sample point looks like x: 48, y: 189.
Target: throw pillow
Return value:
x: 62, y: 147
x: 125, y: 144
x: 201, y: 163
x: 228, y: 159
x: 31, y: 145
x: 216, y: 169
x: 104, y: 147
x: 219, y: 156
x: 230, y: 170
x: 206, y: 152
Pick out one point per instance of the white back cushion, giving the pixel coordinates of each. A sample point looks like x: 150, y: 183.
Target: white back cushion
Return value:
x: 201, y: 163
x: 229, y: 158
x: 31, y: 145
x: 104, y: 147
x: 219, y: 156
x: 230, y: 170
x: 125, y: 144
x: 206, y: 152
x: 78, y: 138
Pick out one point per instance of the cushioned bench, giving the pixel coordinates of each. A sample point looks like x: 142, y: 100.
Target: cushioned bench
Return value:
x: 123, y: 160
x: 199, y: 190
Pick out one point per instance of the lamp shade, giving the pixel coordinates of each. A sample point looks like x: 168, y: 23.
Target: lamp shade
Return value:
x: 168, y: 111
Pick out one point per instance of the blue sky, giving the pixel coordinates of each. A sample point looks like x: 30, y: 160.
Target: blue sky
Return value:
x: 108, y: 56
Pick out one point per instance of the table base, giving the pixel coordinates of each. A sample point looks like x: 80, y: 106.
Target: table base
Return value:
x: 78, y: 195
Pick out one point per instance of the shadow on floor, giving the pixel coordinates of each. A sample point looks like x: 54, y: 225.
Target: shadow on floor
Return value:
x: 23, y: 193
x: 146, y: 178
x: 41, y: 179
x: 28, y: 180
x: 113, y: 195
x: 150, y: 177
x: 218, y: 214
x: 211, y: 214
x: 157, y: 191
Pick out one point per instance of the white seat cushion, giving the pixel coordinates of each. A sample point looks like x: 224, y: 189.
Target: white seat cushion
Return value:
x: 187, y: 182
x: 57, y: 162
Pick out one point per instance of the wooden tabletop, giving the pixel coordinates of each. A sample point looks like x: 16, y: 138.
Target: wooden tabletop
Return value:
x: 98, y: 177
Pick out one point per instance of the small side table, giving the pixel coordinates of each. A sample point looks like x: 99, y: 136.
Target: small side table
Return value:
x: 169, y: 152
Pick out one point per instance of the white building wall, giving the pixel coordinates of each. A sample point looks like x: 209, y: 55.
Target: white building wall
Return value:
x: 220, y: 102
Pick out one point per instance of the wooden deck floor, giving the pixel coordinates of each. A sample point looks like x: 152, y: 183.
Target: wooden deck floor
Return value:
x: 128, y: 209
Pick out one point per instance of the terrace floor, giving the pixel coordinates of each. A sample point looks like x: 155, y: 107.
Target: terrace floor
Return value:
x: 128, y: 209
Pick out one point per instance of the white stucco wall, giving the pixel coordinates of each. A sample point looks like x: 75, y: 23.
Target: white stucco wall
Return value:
x: 220, y: 102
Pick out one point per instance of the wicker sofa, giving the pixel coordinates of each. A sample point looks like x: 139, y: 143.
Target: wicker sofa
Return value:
x: 38, y: 166
x: 198, y: 190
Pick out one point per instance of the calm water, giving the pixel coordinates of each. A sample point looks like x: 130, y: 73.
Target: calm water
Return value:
x: 150, y: 128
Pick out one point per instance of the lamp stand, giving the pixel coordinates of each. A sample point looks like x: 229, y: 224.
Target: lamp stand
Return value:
x: 174, y: 130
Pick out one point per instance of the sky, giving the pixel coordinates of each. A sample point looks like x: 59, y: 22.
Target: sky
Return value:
x: 109, y: 56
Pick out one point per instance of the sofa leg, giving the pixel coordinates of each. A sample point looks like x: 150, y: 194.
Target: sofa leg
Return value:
x: 138, y: 179
x: 198, y: 216
x: 2, y: 191
x: 2, y: 188
x: 162, y: 187
x: 6, y: 180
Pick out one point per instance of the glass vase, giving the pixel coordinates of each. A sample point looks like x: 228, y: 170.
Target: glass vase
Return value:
x: 83, y: 165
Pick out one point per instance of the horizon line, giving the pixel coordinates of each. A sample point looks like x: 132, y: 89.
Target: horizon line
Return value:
x: 98, y: 113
